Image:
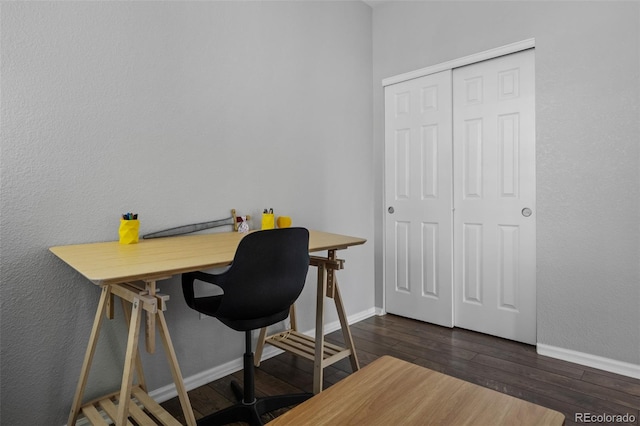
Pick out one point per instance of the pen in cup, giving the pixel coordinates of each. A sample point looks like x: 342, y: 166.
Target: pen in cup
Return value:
x: 129, y: 227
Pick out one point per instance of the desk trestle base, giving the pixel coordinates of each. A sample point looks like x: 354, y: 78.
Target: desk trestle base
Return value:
x: 323, y: 354
x: 132, y: 401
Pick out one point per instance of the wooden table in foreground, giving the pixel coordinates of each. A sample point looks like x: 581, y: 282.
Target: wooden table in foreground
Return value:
x: 130, y: 272
x: 390, y: 391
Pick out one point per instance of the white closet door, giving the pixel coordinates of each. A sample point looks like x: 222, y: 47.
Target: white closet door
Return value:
x: 418, y: 173
x: 494, y: 187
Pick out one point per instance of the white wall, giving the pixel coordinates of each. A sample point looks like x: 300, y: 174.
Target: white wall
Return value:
x: 588, y: 157
x: 178, y: 111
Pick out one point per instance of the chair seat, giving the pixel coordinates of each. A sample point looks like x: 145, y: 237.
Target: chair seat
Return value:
x: 247, y: 324
x: 207, y: 305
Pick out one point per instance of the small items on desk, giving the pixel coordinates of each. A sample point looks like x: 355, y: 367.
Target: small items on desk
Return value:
x: 242, y: 224
x: 283, y: 222
x: 234, y: 220
x: 268, y: 221
x: 129, y: 227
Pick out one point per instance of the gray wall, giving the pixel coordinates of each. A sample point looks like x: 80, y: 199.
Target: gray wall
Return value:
x: 178, y: 111
x: 588, y: 158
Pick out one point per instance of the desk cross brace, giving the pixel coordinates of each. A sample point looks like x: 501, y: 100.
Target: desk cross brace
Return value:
x: 119, y: 406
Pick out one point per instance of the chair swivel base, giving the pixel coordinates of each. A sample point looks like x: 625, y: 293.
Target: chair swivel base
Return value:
x: 250, y: 413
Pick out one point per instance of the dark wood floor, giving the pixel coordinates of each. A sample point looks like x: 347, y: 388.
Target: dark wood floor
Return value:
x: 505, y: 366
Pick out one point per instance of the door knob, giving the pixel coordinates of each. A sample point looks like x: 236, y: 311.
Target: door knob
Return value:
x: 526, y: 212
x: 391, y: 210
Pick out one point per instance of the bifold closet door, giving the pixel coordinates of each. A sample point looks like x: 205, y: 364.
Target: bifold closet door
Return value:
x: 418, y: 173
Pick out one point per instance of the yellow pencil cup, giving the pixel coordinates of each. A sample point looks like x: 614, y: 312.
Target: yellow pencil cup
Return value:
x: 268, y: 221
x: 283, y: 221
x: 128, y: 231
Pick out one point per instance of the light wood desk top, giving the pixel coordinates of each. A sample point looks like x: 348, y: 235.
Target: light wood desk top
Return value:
x: 390, y: 391
x: 112, y: 262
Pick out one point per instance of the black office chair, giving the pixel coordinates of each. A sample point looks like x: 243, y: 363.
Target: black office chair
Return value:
x: 267, y: 275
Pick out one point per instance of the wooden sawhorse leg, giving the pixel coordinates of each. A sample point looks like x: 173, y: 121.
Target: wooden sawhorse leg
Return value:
x: 328, y: 287
x: 88, y: 357
x: 154, y: 304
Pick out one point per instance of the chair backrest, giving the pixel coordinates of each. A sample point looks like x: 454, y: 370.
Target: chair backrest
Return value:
x: 267, y: 275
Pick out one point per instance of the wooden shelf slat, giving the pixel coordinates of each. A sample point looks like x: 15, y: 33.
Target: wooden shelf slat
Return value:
x: 140, y: 417
x: 154, y: 408
x: 111, y: 409
x: 93, y: 415
x: 304, y: 346
x: 139, y: 397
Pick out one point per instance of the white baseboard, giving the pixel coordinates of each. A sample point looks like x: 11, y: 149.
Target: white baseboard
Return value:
x: 601, y: 363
